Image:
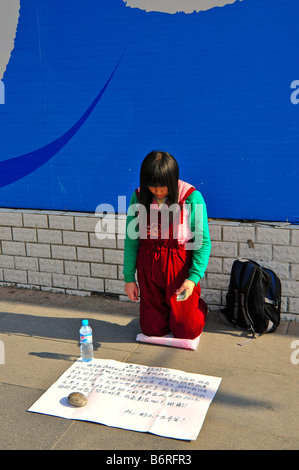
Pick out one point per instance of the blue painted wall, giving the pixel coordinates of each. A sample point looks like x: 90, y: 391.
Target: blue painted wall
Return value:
x: 92, y: 87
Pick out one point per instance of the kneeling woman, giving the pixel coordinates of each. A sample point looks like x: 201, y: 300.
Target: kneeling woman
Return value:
x: 171, y: 255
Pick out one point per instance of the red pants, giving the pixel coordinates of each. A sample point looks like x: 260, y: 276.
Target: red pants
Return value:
x: 161, y: 271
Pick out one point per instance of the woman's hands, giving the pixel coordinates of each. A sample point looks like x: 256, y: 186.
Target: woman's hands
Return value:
x: 188, y: 286
x: 132, y: 291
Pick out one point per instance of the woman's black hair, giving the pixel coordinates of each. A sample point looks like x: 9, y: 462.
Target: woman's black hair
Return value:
x: 159, y: 169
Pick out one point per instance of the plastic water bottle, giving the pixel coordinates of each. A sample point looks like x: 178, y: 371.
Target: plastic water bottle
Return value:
x: 86, y: 346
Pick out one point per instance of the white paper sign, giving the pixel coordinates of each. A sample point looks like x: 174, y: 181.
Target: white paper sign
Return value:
x: 166, y: 402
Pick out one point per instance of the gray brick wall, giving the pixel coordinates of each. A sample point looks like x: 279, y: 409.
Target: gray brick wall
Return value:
x: 81, y: 253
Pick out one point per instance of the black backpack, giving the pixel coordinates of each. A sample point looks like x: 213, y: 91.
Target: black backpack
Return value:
x: 253, y: 301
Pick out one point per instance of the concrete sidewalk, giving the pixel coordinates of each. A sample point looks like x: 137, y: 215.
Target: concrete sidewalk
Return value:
x: 256, y: 406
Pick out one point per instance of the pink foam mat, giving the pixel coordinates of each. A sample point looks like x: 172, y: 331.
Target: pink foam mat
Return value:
x: 169, y: 340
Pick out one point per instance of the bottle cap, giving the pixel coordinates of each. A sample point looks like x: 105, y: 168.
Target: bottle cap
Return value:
x: 84, y: 322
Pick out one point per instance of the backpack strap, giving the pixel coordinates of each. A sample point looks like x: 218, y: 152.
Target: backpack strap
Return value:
x: 244, y: 274
x: 182, y: 201
x: 186, y: 195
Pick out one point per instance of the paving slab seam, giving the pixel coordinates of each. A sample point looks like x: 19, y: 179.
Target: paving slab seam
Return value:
x: 62, y: 435
x: 24, y: 335
x: 23, y: 386
x: 132, y: 352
